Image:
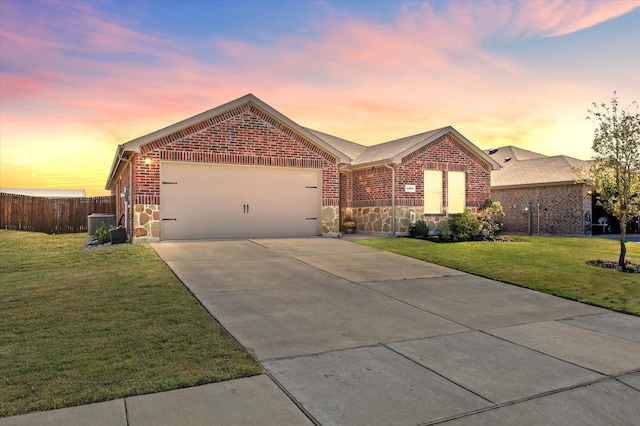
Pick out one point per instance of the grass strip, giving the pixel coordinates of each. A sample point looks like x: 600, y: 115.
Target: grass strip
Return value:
x: 79, y: 327
x: 554, y: 265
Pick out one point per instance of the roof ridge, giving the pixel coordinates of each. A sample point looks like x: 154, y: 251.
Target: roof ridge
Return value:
x: 413, y: 136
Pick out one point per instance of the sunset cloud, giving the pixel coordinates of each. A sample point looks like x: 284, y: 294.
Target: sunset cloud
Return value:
x: 78, y: 81
x: 561, y: 17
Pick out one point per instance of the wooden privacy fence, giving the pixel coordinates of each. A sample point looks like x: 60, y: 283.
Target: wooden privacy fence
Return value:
x: 51, y: 215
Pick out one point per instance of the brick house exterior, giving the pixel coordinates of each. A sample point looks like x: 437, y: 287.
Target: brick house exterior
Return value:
x: 539, y: 194
x: 374, y: 193
x: 365, y: 183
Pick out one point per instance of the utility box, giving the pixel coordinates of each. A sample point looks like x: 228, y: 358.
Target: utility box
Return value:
x: 118, y: 235
x: 96, y: 220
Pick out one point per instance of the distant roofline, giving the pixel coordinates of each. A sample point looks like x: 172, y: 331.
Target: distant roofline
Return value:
x: 46, y: 192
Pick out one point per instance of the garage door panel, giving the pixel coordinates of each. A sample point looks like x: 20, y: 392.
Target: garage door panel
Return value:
x: 223, y: 201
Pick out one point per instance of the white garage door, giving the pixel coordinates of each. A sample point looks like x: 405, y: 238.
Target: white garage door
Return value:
x: 205, y: 201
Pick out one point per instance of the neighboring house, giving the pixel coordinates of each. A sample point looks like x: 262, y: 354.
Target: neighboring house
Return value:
x: 245, y: 170
x: 45, y: 192
x: 539, y: 194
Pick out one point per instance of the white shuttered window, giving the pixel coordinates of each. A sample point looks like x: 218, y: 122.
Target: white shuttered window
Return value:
x: 456, y: 191
x: 433, y: 191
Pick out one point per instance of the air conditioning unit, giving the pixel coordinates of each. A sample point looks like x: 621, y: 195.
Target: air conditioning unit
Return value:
x: 96, y: 220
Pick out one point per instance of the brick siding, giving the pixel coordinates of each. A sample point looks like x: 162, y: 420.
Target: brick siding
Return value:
x: 367, y: 194
x: 372, y: 187
x: 561, y: 211
x: 446, y: 154
x: 243, y: 136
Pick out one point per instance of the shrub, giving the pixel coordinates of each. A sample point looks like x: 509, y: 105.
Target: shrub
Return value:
x: 490, y: 217
x: 421, y: 229
x: 443, y: 230
x: 102, y: 234
x: 465, y: 225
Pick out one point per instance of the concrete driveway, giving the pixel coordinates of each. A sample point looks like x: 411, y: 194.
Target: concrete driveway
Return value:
x: 357, y: 336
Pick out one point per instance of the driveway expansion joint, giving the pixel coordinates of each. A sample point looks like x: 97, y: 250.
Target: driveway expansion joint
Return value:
x: 520, y: 400
x: 441, y: 375
x: 297, y: 403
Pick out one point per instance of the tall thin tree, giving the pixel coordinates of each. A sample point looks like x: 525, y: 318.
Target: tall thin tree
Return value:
x: 615, y: 169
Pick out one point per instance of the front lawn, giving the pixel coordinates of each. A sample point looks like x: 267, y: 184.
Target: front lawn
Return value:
x: 553, y: 265
x: 78, y: 327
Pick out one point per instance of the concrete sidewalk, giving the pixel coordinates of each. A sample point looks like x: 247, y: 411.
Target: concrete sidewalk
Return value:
x: 351, y: 335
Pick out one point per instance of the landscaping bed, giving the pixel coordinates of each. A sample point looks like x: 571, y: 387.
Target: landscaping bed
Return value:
x: 628, y: 267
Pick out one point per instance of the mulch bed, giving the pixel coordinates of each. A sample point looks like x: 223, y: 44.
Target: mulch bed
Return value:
x: 92, y: 243
x: 629, y: 267
x: 438, y: 239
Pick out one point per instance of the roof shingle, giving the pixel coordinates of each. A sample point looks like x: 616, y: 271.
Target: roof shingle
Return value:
x: 526, y: 168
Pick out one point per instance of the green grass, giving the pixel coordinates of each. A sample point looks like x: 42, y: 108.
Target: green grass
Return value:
x: 553, y: 265
x: 85, y: 326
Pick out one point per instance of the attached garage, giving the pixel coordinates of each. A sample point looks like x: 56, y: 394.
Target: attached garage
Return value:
x: 244, y: 170
x: 206, y: 201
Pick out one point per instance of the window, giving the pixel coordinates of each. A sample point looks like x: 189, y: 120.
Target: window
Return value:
x: 456, y: 190
x: 433, y: 191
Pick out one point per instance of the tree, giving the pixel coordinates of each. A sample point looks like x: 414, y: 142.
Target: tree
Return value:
x: 615, y: 169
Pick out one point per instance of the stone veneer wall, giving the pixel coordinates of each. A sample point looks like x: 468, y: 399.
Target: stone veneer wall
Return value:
x: 146, y: 223
x: 330, y: 220
x: 378, y: 219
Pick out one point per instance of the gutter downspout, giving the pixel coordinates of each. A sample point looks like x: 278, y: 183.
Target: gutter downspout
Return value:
x: 128, y: 203
x: 343, y: 168
x: 393, y: 198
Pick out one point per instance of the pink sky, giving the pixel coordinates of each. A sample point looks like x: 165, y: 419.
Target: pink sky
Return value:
x: 76, y: 81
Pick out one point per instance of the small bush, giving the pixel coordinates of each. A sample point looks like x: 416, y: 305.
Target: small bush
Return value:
x: 490, y: 217
x: 102, y: 234
x: 465, y: 226
x: 421, y: 229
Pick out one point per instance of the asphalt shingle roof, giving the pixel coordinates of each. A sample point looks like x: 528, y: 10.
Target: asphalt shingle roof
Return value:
x: 526, y: 168
x: 346, y: 152
x: 392, y: 151
x: 393, y: 148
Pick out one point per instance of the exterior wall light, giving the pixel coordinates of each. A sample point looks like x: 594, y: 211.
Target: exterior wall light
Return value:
x: 147, y: 160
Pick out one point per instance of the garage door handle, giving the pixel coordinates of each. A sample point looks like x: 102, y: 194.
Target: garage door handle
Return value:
x: 311, y: 218
x: 169, y: 218
x: 245, y: 208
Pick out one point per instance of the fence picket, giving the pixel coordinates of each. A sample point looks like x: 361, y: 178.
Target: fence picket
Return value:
x: 51, y: 215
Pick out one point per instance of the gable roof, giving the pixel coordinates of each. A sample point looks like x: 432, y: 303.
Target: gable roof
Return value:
x: 350, y: 153
x: 200, y: 120
x: 522, y: 168
x: 394, y: 151
x: 46, y: 192
x: 352, y: 149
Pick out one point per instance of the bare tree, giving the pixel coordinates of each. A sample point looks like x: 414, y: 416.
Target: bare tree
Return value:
x: 615, y: 169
